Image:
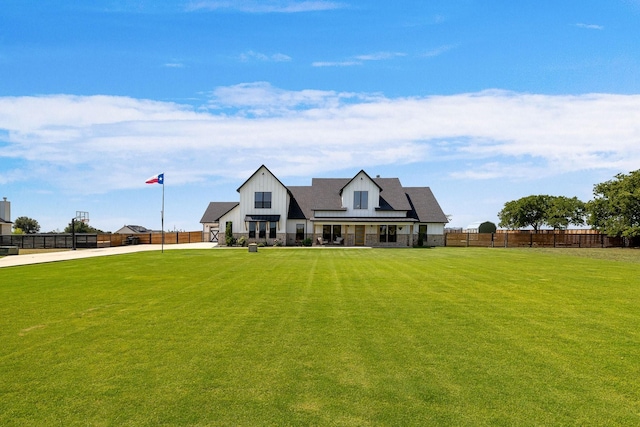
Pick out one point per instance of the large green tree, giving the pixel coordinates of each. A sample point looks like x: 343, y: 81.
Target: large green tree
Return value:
x: 557, y: 212
x: 26, y: 224
x: 527, y: 211
x: 615, y: 209
x: 564, y: 211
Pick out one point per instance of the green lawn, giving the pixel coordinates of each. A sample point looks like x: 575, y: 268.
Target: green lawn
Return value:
x: 323, y: 337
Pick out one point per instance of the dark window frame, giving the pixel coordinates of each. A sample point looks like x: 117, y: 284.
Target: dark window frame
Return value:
x: 360, y: 200
x: 262, y: 200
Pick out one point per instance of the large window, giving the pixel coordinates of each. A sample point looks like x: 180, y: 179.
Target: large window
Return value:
x: 262, y: 200
x: 360, y: 200
x: 299, y: 232
x: 330, y: 233
x: 259, y: 228
x: 388, y: 233
x: 383, y: 234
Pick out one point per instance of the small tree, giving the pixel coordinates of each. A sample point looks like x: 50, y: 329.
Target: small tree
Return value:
x: 615, y: 209
x: 80, y: 228
x: 26, y: 224
x: 487, y: 227
x: 228, y: 234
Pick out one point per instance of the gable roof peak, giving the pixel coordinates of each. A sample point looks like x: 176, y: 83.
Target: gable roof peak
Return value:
x: 356, y: 175
x: 256, y: 172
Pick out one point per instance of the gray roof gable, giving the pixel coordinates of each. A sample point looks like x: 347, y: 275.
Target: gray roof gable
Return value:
x: 425, y: 206
x: 392, y: 195
x: 216, y: 209
x: 325, y: 194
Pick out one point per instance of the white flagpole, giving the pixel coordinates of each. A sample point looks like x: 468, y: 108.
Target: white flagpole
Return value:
x: 162, y: 214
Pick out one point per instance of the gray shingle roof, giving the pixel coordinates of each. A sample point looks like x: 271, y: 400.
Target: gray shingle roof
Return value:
x: 392, y: 196
x: 216, y: 209
x: 301, y: 201
x: 326, y: 193
x: 425, y: 206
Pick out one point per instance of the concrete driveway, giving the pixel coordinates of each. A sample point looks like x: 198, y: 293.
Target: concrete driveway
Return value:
x: 65, y: 255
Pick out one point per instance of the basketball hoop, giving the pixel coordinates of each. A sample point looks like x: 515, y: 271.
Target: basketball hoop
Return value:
x: 82, y: 216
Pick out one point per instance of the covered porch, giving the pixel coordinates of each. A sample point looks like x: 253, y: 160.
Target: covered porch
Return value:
x: 395, y: 232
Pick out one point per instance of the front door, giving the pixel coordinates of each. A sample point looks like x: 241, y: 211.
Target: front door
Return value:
x: 213, y: 236
x: 360, y: 235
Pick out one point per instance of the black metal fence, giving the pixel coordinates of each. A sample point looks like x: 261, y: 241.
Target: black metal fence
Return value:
x: 87, y: 241
x: 49, y: 241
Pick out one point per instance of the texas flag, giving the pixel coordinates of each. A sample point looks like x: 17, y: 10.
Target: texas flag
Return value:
x: 156, y: 179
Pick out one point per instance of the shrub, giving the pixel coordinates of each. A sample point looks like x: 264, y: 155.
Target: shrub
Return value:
x: 228, y: 235
x: 307, y: 242
x: 242, y: 241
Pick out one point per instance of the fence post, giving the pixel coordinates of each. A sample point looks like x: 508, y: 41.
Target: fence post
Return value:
x: 467, y: 239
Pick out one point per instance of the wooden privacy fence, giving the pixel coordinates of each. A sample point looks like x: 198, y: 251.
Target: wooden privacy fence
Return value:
x: 170, y: 238
x: 65, y: 241
x: 533, y: 240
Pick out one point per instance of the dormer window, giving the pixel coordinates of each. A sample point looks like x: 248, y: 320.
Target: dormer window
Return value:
x: 360, y: 200
x: 262, y: 200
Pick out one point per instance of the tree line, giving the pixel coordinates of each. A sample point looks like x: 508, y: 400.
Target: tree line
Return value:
x: 26, y: 225
x: 614, y: 210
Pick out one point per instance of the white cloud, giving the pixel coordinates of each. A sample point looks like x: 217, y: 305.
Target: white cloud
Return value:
x: 380, y: 56
x: 261, y: 57
x: 590, y: 26
x: 360, y: 59
x: 437, y: 51
x: 265, y: 6
x: 104, y: 142
x: 335, y: 63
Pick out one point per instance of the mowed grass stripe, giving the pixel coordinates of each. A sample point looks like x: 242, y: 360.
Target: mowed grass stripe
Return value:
x: 322, y: 337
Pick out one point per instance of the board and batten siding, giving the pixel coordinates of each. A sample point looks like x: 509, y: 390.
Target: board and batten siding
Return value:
x: 264, y: 181
x: 235, y: 218
x: 434, y: 228
x: 361, y: 183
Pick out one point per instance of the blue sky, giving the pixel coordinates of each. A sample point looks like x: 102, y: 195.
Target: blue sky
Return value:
x: 483, y: 101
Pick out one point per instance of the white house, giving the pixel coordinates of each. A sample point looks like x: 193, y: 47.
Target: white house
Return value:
x: 357, y: 211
